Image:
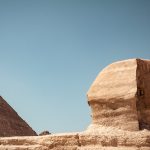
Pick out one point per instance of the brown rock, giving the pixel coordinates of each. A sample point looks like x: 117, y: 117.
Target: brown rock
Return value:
x: 143, y: 93
x: 44, y: 133
x: 11, y: 124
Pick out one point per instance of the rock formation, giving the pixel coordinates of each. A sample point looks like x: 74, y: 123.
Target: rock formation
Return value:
x: 44, y: 133
x: 120, y: 102
x: 11, y: 124
x: 120, y: 95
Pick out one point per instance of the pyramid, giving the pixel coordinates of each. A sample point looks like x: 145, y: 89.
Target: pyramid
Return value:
x: 11, y: 124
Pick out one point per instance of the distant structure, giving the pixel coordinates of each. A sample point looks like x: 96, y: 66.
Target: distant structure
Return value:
x: 120, y: 95
x: 44, y: 133
x: 11, y: 124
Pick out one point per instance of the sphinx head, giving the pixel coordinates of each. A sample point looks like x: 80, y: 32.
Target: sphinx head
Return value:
x: 119, y: 95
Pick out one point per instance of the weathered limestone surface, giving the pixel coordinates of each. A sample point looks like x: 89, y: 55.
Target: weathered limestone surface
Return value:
x: 120, y: 96
x: 112, y: 96
x: 120, y: 102
x: 106, y: 139
x: 11, y: 124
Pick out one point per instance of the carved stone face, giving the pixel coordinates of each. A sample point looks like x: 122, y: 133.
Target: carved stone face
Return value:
x: 120, y: 95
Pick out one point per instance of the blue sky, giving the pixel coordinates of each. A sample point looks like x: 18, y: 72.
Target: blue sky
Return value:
x: 52, y: 50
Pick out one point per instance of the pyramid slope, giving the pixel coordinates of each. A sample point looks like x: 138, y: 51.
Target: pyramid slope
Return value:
x: 11, y: 124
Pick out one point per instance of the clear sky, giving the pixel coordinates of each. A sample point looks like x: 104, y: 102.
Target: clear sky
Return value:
x: 52, y: 50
